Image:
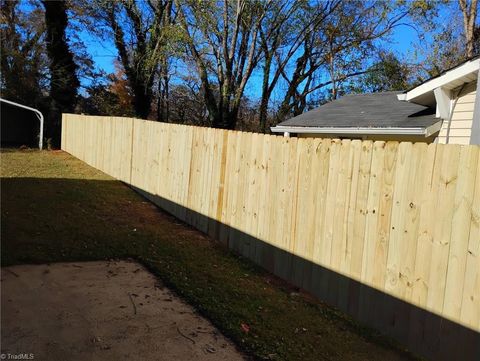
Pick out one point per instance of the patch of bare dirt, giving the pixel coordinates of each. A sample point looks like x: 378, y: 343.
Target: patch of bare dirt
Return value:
x: 101, y: 311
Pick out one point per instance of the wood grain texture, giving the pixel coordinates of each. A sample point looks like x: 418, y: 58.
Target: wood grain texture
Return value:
x: 399, y: 218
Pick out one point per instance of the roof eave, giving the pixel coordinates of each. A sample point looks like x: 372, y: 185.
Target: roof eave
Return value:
x: 466, y: 72
x: 421, y: 131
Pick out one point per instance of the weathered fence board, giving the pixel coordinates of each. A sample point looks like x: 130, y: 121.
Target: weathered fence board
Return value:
x: 386, y: 231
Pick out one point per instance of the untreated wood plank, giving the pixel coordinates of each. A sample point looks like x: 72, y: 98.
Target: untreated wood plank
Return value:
x: 364, y: 225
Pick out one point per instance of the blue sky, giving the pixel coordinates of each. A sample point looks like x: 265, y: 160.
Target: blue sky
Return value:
x: 402, y: 42
x: 104, y: 53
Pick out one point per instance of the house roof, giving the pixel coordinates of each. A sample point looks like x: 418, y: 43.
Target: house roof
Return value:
x: 410, y: 112
x: 363, y: 111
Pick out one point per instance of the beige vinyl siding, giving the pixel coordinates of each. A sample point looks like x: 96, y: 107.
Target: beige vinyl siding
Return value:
x: 461, y: 124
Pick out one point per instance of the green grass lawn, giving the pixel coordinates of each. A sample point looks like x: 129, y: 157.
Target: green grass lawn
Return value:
x: 55, y: 208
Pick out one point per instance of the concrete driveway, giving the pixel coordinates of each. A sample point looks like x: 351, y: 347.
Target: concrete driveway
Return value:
x: 101, y: 311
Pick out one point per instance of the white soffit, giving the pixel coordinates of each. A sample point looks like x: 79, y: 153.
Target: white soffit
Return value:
x: 423, y: 94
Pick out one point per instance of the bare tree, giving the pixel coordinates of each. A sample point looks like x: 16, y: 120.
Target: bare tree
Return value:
x: 469, y: 13
x: 287, y: 26
x: 340, y: 45
x: 222, y: 41
x: 140, y: 36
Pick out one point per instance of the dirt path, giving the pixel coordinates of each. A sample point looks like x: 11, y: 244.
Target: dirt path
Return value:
x: 102, y: 311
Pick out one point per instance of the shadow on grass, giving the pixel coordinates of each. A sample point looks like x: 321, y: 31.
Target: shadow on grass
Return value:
x: 423, y: 332
x: 49, y: 220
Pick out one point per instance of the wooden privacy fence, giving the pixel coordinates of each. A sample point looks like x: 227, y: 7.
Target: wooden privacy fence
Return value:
x: 386, y: 231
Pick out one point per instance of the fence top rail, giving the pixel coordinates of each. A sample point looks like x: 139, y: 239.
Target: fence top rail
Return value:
x: 278, y: 135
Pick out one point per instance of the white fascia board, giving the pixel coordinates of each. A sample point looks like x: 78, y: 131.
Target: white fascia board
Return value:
x: 360, y: 131
x: 470, y: 67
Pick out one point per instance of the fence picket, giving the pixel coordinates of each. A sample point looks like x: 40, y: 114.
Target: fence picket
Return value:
x: 385, y: 226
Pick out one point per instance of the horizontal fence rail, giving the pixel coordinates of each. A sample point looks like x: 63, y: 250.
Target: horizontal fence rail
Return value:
x: 388, y: 232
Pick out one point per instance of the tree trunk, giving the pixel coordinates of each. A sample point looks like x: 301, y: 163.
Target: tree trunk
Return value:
x: 297, y: 78
x: 225, y: 119
x: 159, y: 101
x: 263, y: 111
x: 142, y: 100
x: 469, y: 17
x: 166, y: 97
x: 64, y: 82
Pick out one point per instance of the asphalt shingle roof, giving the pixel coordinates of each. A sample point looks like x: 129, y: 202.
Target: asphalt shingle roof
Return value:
x: 375, y: 110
